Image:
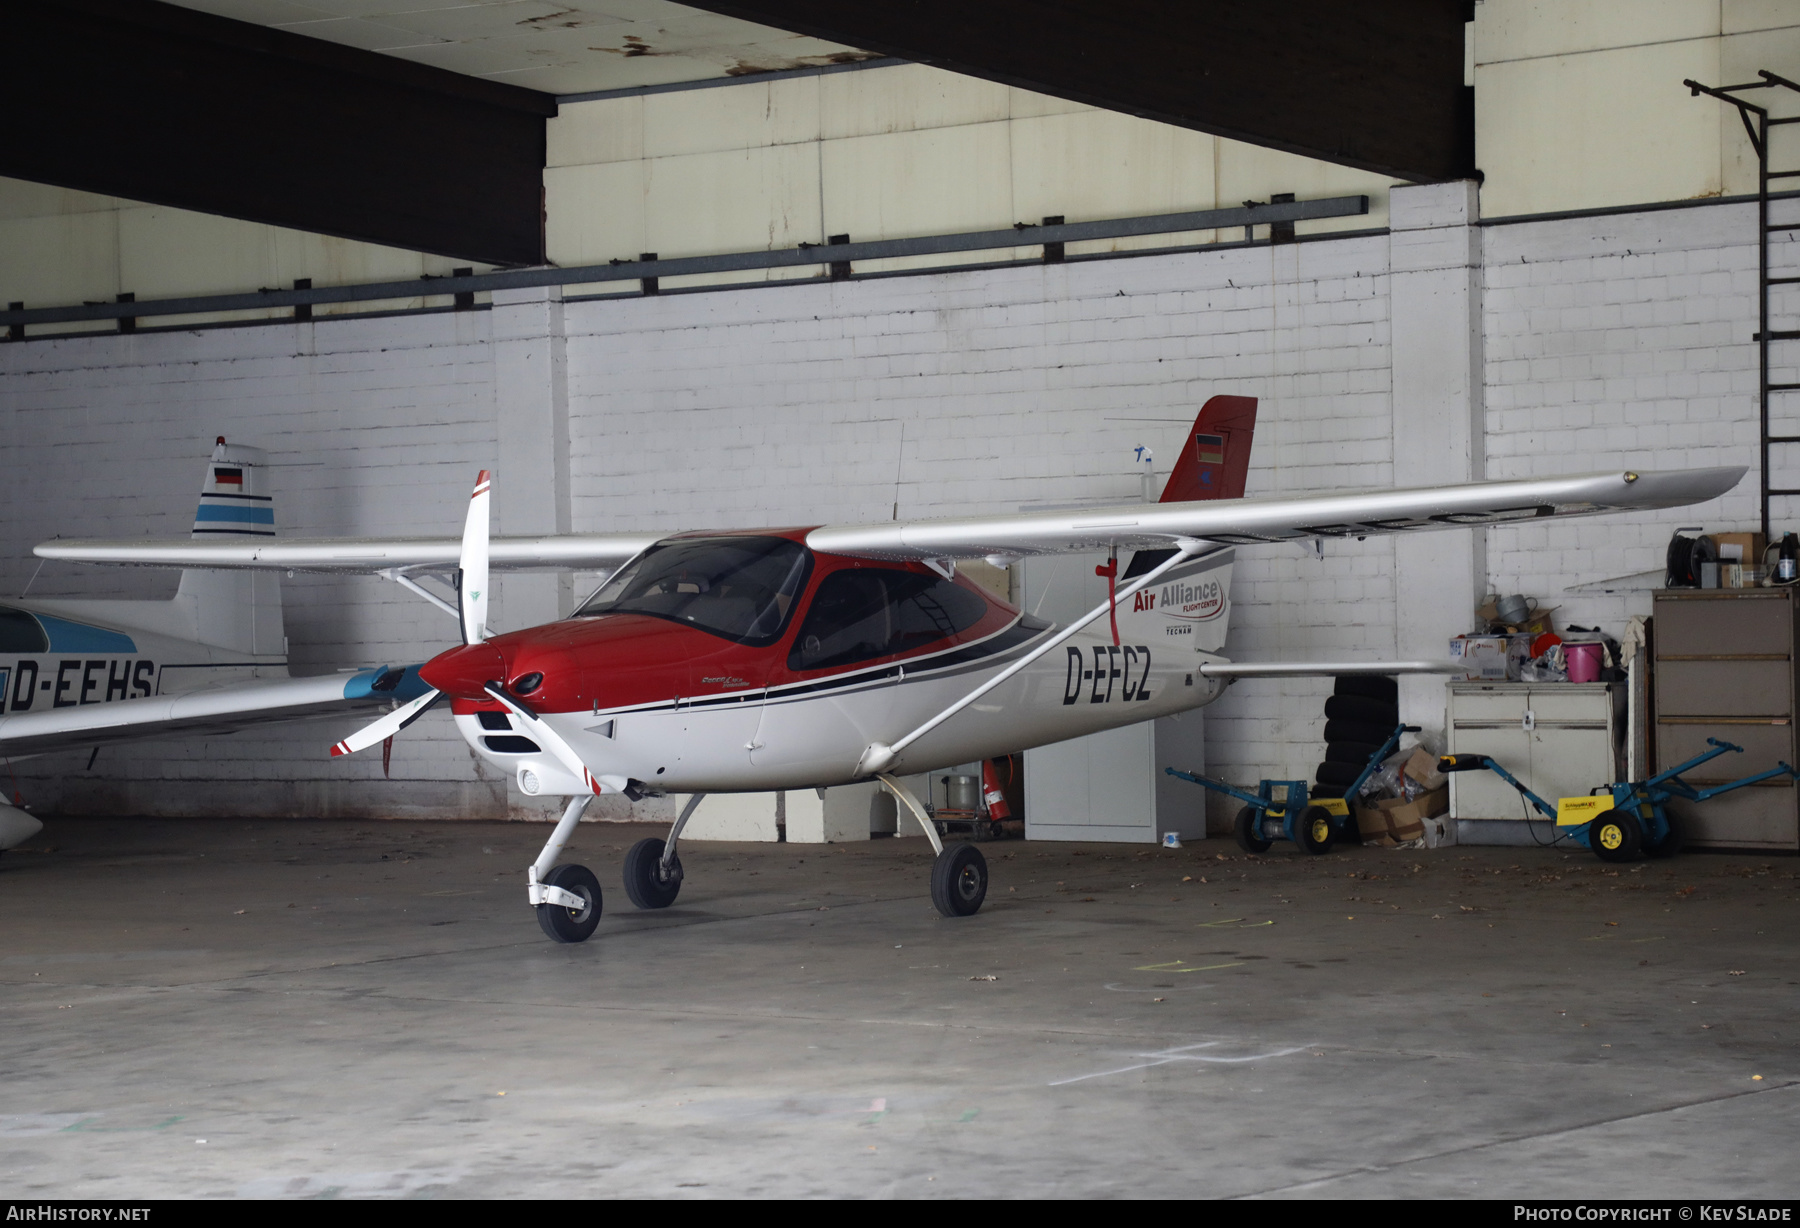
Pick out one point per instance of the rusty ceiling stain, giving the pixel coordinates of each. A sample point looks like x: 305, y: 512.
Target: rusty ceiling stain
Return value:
x: 750, y: 68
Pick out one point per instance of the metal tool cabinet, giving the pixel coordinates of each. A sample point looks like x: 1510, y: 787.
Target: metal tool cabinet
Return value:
x: 1561, y: 738
x: 1724, y: 668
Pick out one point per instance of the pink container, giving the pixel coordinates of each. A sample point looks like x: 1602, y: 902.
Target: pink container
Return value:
x: 1584, y: 662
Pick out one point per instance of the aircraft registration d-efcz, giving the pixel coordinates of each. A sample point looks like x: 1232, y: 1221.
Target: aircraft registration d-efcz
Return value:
x: 793, y: 658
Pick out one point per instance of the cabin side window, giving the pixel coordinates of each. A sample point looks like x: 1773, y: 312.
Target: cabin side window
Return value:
x: 863, y: 613
x: 20, y: 632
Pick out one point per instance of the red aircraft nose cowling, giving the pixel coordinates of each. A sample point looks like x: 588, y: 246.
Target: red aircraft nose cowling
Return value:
x: 463, y: 673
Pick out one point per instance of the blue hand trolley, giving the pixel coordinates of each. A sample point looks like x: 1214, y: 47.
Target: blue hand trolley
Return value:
x: 1627, y: 818
x: 1282, y: 809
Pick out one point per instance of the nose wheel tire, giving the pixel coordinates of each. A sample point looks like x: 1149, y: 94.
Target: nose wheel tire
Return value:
x: 1615, y: 835
x: 1248, y: 829
x: 959, y: 880
x: 647, y: 881
x: 564, y: 924
x: 1315, y: 829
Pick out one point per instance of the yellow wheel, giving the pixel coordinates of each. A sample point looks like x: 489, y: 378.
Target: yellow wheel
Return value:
x: 1315, y: 830
x: 1615, y: 835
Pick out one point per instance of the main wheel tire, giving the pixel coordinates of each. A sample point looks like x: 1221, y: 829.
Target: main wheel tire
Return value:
x: 1331, y: 773
x: 1328, y: 790
x: 1614, y: 835
x: 1355, y: 753
x: 646, y: 882
x: 1316, y: 832
x: 1671, y: 843
x: 959, y: 880
x: 571, y: 924
x: 1357, y: 731
x: 1363, y: 710
x: 1369, y: 686
x: 1248, y: 829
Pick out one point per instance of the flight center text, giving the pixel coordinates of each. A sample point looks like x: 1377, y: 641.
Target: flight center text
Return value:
x: 72, y: 681
x: 1123, y: 671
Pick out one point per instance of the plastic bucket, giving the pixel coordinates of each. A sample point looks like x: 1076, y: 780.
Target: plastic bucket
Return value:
x: 1584, y: 662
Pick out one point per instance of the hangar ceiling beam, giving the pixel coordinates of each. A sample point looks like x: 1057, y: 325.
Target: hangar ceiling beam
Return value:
x: 162, y: 104
x: 1376, y: 85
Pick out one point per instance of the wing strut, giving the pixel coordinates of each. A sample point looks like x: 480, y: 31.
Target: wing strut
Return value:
x: 877, y: 759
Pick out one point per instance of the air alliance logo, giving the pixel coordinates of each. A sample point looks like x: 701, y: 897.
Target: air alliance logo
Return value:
x: 1196, y: 601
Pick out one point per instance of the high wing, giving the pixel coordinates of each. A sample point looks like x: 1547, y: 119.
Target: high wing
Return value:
x: 566, y: 551
x: 1356, y: 513
x: 217, y: 710
x: 1286, y: 518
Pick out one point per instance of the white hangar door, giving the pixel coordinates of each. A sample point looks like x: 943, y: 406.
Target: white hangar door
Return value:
x: 1106, y: 786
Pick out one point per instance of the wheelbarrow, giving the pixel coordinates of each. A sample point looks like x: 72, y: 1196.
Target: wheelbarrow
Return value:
x: 1282, y: 809
x: 1627, y: 818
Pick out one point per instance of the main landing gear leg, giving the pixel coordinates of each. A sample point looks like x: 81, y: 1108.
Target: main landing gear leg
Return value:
x: 567, y: 898
x: 652, y: 870
x: 959, y: 876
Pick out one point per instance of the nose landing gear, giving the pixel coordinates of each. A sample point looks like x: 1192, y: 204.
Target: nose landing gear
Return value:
x: 566, y: 922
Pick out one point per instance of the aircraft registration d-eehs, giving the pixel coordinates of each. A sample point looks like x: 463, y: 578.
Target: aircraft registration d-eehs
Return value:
x: 791, y: 658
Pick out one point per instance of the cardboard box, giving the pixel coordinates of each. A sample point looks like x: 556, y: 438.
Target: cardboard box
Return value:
x: 1422, y: 766
x: 1491, y: 658
x: 1740, y: 548
x: 1397, y: 820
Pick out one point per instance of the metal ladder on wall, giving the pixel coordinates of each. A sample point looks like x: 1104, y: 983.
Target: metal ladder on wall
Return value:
x: 1757, y: 124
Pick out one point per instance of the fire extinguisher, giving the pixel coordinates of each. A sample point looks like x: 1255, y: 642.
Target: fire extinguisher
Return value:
x: 992, y: 792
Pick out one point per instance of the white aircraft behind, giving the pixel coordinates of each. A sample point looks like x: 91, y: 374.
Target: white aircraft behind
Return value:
x: 213, y: 659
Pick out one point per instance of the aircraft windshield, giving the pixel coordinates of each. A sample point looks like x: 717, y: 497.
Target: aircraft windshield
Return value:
x: 742, y: 588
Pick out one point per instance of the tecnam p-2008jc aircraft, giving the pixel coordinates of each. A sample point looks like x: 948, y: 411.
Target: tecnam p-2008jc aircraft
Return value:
x: 749, y: 660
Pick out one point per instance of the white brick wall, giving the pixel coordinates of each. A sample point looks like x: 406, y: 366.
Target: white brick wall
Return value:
x: 1611, y: 341
x: 1618, y: 341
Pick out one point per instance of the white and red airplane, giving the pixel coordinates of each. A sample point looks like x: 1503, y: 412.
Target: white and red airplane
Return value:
x: 792, y: 658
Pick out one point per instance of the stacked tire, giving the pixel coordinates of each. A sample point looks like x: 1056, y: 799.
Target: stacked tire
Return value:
x: 1359, y: 717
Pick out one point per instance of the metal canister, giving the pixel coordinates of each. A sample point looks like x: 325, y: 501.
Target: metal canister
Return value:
x: 963, y: 793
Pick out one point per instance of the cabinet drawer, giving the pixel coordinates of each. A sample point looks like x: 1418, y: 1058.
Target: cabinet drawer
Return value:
x: 1764, y: 747
x: 1590, y: 707
x: 1488, y: 707
x: 1736, y: 624
x: 1724, y: 688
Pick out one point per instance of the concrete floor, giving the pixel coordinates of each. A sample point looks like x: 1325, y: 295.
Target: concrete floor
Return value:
x: 338, y: 1009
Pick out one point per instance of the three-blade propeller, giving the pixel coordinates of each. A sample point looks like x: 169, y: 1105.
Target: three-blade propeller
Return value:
x: 472, y: 579
x: 472, y: 607
x: 387, y: 726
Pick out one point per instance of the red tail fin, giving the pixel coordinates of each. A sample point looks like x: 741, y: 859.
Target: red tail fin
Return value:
x: 1215, y: 456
